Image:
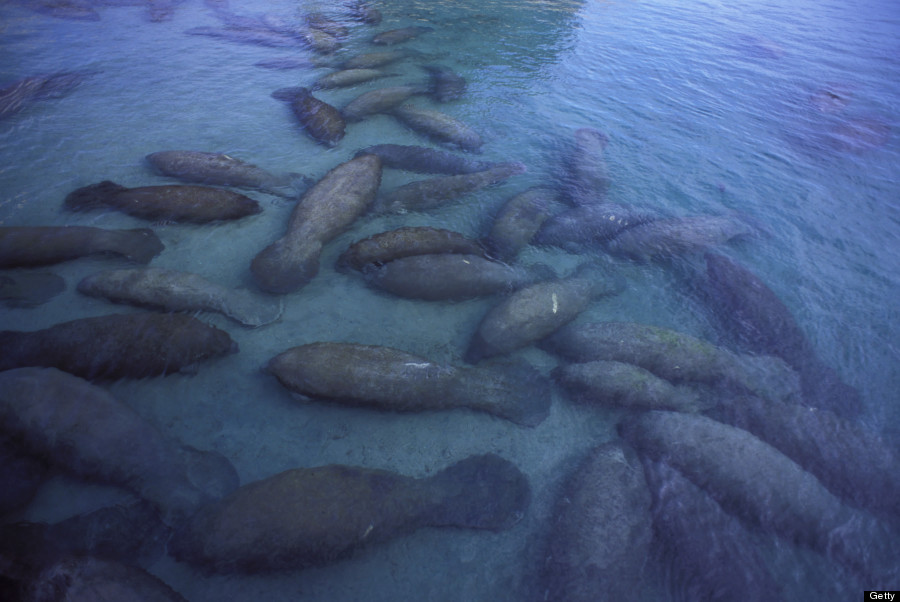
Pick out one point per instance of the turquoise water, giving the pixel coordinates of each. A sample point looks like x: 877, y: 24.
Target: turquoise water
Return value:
x: 710, y: 109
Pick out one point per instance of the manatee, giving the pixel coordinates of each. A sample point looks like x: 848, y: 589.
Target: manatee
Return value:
x: 518, y: 221
x: 361, y: 10
x: 327, y: 25
x: 28, y: 289
x: 760, y: 322
x: 604, y: 383
x: 379, y: 101
x: 83, y: 579
x: 756, y: 482
x: 832, y: 98
x: 439, y: 126
x: 421, y: 159
x: 318, y: 41
x: 221, y: 170
x: 398, y: 36
x: 372, y: 60
x: 29, y: 246
x: 321, y: 121
x: 859, y: 135
x: 324, y: 211
x: 709, y: 554
x: 434, y: 192
x: 588, y: 177
x: 446, y: 277
x: 854, y: 462
x: 256, y: 37
x: 21, y: 475
x: 349, y: 77
x: 677, y: 236
x: 601, y: 530
x: 674, y: 356
x: 446, y: 84
x: 590, y: 225
x: 381, y: 248
x: 82, y: 429
x: 171, y: 290
x: 535, y: 311
x: 117, y: 345
x: 16, y: 96
x: 193, y: 204
x: 389, y: 379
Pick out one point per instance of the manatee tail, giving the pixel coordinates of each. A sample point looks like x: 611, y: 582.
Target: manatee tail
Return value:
x: 252, y: 310
x: 514, y: 391
x: 94, y: 196
x: 140, y: 244
x: 480, y: 492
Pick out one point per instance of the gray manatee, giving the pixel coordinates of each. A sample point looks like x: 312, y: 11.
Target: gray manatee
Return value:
x: 421, y: 159
x: 439, y: 126
x: 84, y: 430
x: 664, y: 239
x: 709, y: 553
x: 117, y: 346
x: 588, y: 177
x: 387, y: 246
x: 446, y: 277
x: 535, y: 311
x: 590, y: 225
x: 379, y: 100
x: 172, y: 290
x: 400, y: 35
x: 604, y: 383
x: 517, y: 222
x: 427, y: 194
x: 675, y: 356
x: 390, y: 379
x: 221, y: 170
x: 321, y: 121
x: 348, y: 77
x: 324, y: 211
x: 756, y: 482
x: 28, y: 246
x: 601, y: 530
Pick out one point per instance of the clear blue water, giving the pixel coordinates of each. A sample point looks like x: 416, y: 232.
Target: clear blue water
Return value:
x: 709, y: 108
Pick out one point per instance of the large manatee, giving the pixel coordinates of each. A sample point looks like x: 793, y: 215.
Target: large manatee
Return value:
x: 81, y: 428
x: 664, y: 239
x: 379, y: 100
x: 383, y: 247
x: 439, y: 126
x: 518, y: 221
x: 221, y: 170
x: 172, y: 290
x: 117, y: 345
x: 390, y: 379
x: 601, y: 530
x: 28, y: 246
x: 324, y: 211
x: 180, y: 203
x: 535, y: 311
x: 422, y: 159
x: 321, y: 121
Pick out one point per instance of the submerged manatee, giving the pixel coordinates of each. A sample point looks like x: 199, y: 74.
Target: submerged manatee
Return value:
x: 313, y: 516
x: 381, y: 248
x: 221, y: 170
x: 518, y: 220
x: 588, y: 176
x: 601, y: 530
x: 117, y: 345
x: 84, y: 430
x: 390, y: 379
x: 320, y: 120
x: 421, y: 159
x: 324, y: 211
x: 361, y: 10
x: 673, y: 237
x: 379, y: 101
x: 590, y: 224
x: 439, y: 126
x: 371, y: 60
x: 193, y: 204
x: 398, y: 36
x: 28, y: 246
x: 446, y: 84
x: 172, y: 290
x: 18, y: 95
x: 349, y: 77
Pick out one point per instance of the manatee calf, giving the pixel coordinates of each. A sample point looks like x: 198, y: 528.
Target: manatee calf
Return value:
x: 760, y: 322
x: 534, y: 311
x: 709, y: 553
x: 390, y: 379
x: 324, y: 211
x: 439, y: 126
x: 398, y: 36
x: 381, y: 248
x: 756, y: 482
x: 349, y: 77
x: 588, y: 176
x: 446, y: 84
x: 221, y: 170
x: 117, y: 345
x: 81, y: 428
x: 172, y: 290
x: 193, y: 204
x: 446, y: 277
x: 674, y: 237
x: 601, y: 530
x: 379, y: 101
x: 28, y: 289
x: 604, y: 383
x: 434, y: 192
x: 320, y: 120
x: 29, y: 246
x: 518, y: 221
x: 590, y: 225
x: 674, y: 356
x: 421, y: 159
x: 372, y: 60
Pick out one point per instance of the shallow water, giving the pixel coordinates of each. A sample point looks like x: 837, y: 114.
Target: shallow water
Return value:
x: 710, y: 108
